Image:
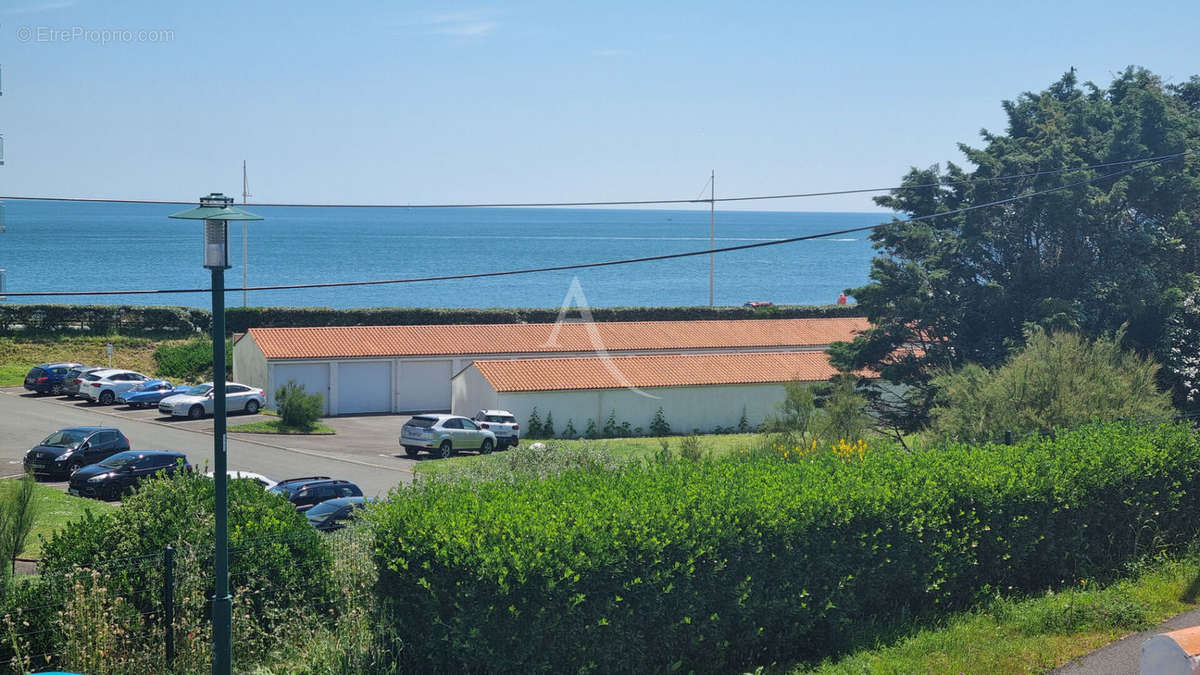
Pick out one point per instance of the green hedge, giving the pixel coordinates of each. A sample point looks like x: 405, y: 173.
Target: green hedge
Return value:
x: 105, y: 319
x: 718, y: 565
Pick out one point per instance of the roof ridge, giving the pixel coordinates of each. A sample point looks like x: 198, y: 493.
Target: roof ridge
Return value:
x: 553, y: 323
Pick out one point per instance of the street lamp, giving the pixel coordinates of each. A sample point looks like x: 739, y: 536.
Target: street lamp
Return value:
x: 216, y: 210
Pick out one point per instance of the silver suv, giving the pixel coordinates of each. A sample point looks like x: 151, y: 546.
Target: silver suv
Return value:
x: 443, y: 435
x: 503, y: 424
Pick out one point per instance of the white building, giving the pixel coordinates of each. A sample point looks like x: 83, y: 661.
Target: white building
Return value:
x: 695, y: 391
x: 362, y: 369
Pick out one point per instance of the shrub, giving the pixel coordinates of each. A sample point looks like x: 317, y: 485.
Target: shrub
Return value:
x: 743, y: 425
x: 691, y: 449
x: 569, y: 431
x: 527, y: 463
x: 1058, y: 380
x: 190, y: 361
x: 659, y: 425
x: 296, y: 408
x: 590, y: 430
x: 533, y: 427
x: 717, y: 565
x: 18, y: 510
x: 548, y: 426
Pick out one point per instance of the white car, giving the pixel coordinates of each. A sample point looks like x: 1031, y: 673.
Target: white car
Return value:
x: 444, y: 434
x: 198, y: 401
x: 503, y: 424
x: 234, y: 474
x: 105, y: 386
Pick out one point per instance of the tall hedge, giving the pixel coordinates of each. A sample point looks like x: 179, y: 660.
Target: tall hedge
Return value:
x: 105, y: 319
x: 718, y: 565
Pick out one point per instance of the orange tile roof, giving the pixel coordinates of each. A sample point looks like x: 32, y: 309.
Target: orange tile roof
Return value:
x: 615, y: 336
x: 658, y: 370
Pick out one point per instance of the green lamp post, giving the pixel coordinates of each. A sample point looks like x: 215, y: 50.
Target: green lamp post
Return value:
x: 216, y: 210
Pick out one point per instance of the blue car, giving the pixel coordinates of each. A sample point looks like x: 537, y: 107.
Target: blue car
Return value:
x: 149, y: 393
x: 49, y: 378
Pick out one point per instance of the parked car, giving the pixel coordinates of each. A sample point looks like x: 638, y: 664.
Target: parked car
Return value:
x: 68, y: 449
x: 74, y: 378
x: 334, y: 514
x: 262, y: 480
x: 443, y: 435
x: 48, y: 378
x: 149, y: 393
x: 503, y: 424
x: 119, y: 474
x: 198, y: 401
x: 309, y: 491
x: 104, y: 386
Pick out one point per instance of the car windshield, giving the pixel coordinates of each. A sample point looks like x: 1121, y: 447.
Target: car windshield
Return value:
x: 422, y: 422
x: 501, y: 419
x: 119, y: 460
x: 285, y: 490
x: 321, y: 512
x: 199, y: 390
x: 64, y: 439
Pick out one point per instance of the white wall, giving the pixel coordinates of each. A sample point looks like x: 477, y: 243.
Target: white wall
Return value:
x: 249, y: 363
x: 471, y: 392
x: 685, y: 408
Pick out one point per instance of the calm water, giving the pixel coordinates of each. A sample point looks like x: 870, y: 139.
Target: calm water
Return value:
x: 65, y: 247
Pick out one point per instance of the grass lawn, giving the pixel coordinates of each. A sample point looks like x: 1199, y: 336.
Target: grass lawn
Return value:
x: 277, y: 427
x: 18, y: 355
x: 1035, y: 634
x: 625, y: 448
x: 55, y: 509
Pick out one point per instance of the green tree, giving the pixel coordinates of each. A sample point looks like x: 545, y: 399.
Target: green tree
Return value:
x: 1058, y: 380
x: 18, y: 511
x: 1094, y: 256
x: 844, y: 412
x: 298, y: 409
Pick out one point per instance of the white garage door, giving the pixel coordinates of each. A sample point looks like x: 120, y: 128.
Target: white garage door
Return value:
x: 424, y: 386
x: 314, y: 377
x: 364, y: 387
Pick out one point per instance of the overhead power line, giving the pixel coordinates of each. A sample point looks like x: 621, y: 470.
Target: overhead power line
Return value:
x: 610, y: 263
x: 630, y: 202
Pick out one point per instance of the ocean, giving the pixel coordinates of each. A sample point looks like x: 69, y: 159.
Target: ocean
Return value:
x: 68, y: 246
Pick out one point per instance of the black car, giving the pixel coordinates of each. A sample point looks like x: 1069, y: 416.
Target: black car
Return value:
x: 66, y: 450
x: 334, y: 514
x: 118, y: 474
x: 48, y: 378
x: 74, y: 378
x: 304, y: 493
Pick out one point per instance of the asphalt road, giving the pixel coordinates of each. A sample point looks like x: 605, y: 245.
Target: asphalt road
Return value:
x: 25, y: 420
x: 1123, y: 657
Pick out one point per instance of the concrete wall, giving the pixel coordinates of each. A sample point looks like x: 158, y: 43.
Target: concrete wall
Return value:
x: 472, y: 393
x: 685, y: 408
x: 249, y: 364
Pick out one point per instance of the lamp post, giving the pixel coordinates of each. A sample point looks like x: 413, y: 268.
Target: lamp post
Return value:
x: 216, y: 210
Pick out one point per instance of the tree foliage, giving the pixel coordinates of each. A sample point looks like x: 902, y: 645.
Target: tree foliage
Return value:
x: 1060, y: 380
x: 298, y: 409
x: 1120, y: 249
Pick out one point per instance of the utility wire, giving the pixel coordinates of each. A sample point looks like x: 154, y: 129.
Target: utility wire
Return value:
x: 625, y: 261
x: 636, y: 202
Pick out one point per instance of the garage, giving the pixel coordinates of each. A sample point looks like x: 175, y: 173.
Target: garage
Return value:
x: 364, y: 387
x: 313, y: 376
x: 426, y: 386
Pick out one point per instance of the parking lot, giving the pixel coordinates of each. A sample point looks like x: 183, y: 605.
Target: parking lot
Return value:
x: 364, y: 449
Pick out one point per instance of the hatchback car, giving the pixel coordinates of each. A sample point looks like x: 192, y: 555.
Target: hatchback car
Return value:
x: 119, y: 474
x: 48, y: 378
x: 149, y: 393
x: 304, y: 493
x: 234, y: 474
x: 66, y: 450
x: 74, y: 378
x: 503, y: 424
x: 104, y: 386
x: 334, y: 514
x: 443, y: 435
x: 198, y: 401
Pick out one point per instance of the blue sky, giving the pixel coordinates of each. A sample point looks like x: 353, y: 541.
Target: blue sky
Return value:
x: 522, y: 101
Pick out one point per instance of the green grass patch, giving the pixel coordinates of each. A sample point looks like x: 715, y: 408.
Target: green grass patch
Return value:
x: 1034, y: 634
x: 277, y: 427
x: 55, y: 509
x: 623, y: 449
x: 19, y: 354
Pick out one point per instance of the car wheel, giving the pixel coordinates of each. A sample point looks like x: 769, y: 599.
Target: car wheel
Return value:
x: 411, y: 451
x: 445, y: 450
x: 251, y: 406
x: 485, y: 448
x: 107, y: 397
x: 56, y: 390
x: 196, y: 412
